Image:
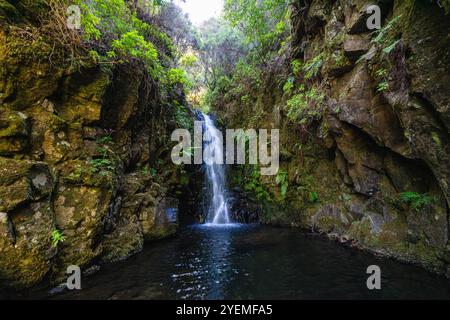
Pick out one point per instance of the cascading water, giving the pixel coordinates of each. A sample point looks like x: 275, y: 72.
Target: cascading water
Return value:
x: 215, y: 174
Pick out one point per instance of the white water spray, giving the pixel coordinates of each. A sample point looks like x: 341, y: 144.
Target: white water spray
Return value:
x: 215, y: 174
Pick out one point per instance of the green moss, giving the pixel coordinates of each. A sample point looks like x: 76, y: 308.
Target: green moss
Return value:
x: 160, y: 232
x: 327, y: 224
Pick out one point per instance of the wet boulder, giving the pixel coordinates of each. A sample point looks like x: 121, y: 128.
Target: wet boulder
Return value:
x: 161, y: 220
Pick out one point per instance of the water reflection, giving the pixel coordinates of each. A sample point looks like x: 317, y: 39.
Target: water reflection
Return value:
x: 204, y: 273
x: 253, y: 262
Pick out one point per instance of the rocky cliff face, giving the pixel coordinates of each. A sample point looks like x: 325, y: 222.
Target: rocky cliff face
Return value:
x: 84, y: 154
x: 369, y: 163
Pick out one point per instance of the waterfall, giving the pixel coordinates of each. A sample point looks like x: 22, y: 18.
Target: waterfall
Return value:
x: 215, y: 173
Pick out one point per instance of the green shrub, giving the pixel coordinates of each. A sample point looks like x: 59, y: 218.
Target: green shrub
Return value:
x: 289, y: 85
x: 313, y: 66
x: 101, y: 164
x: 263, y: 22
x: 305, y: 105
x: 188, y: 60
x: 177, y: 76
x: 416, y: 200
x: 132, y: 44
x: 253, y: 184
x: 112, y: 24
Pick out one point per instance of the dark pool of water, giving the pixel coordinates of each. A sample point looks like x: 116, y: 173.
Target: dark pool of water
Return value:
x: 254, y: 262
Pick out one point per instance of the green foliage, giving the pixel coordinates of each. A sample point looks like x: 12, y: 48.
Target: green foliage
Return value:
x: 283, y: 181
x: 416, y: 200
x: 177, y: 76
x: 313, y: 66
x: 289, y: 85
x: 221, y: 47
x: 248, y: 72
x: 382, y: 86
x: 313, y: 197
x: 381, y: 73
x: 132, y: 44
x: 391, y: 47
x: 117, y: 28
x: 182, y: 116
x: 105, y: 139
x: 190, y: 151
x: 101, y: 164
x: 296, y: 67
x: 154, y: 34
x: 381, y: 34
x: 263, y: 22
x: 57, y: 237
x: 246, y: 79
x: 146, y: 170
x: 305, y: 105
x: 253, y: 184
x: 188, y: 60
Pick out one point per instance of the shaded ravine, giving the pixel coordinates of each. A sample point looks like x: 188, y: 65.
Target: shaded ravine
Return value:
x: 253, y: 262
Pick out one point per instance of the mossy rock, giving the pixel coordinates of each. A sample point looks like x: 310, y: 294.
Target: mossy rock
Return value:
x: 22, y: 182
x: 26, y: 253
x: 160, y: 221
x: 124, y: 241
x: 80, y: 212
x: 83, y: 97
x: 14, y: 131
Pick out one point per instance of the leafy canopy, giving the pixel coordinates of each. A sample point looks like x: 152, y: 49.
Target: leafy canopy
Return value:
x: 263, y: 22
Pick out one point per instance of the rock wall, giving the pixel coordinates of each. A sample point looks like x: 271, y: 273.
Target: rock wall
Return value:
x: 84, y: 154
x: 382, y: 129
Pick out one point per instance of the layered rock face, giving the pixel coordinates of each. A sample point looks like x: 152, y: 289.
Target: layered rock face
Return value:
x: 84, y: 154
x: 381, y: 131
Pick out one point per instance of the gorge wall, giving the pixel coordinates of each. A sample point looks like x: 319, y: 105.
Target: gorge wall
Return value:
x: 84, y: 155
x: 364, y: 127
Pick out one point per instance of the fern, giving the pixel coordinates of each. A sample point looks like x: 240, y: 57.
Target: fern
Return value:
x: 57, y: 237
x: 391, y: 47
x: 416, y: 200
x: 383, y: 86
x: 282, y: 180
x: 380, y: 34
